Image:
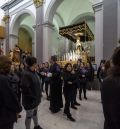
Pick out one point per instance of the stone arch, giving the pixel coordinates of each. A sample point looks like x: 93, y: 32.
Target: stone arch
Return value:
x: 13, y: 24
x: 60, y: 19
x: 54, y: 4
x: 84, y: 15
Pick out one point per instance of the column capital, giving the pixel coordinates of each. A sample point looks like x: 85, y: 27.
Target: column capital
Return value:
x: 38, y: 3
x: 6, y: 19
x: 98, y: 7
x: 13, y: 36
x: 48, y: 24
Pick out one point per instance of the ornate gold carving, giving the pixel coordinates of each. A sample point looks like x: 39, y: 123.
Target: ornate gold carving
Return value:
x: 2, y: 32
x: 82, y: 27
x: 38, y: 3
x: 6, y: 18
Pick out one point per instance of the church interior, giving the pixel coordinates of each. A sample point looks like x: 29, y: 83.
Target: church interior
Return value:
x: 70, y: 30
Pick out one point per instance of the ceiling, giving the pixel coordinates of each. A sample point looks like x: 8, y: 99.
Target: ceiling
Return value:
x: 73, y: 12
x: 70, y: 9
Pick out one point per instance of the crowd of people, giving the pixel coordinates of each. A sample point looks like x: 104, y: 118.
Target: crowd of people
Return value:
x: 28, y: 80
x: 22, y: 85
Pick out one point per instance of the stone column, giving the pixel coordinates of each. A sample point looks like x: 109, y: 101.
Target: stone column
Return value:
x: 34, y: 42
x: 39, y: 29
x: 48, y: 29
x: 110, y: 25
x: 6, y: 19
x: 98, y: 9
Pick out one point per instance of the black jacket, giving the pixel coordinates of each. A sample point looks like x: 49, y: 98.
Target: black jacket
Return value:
x: 69, y: 77
x: 83, y: 74
x: 9, y: 106
x: 56, y: 74
x: 31, y: 89
x: 14, y: 79
x: 110, y: 94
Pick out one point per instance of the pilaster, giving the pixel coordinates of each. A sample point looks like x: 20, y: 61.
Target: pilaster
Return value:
x: 98, y: 9
x: 39, y: 29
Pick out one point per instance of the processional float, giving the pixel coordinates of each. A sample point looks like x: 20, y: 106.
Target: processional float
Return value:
x: 78, y: 33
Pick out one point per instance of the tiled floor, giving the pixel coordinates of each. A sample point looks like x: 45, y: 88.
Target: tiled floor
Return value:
x: 88, y: 116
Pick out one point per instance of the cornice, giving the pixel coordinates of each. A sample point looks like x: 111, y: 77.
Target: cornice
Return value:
x: 47, y: 23
x: 13, y: 36
x: 11, y: 4
x: 98, y: 6
x: 24, y: 6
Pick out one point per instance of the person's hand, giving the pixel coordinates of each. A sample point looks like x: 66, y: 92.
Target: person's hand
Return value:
x: 73, y: 72
x: 70, y: 83
x: 42, y: 73
x: 83, y: 75
x: 49, y: 75
x: 45, y: 74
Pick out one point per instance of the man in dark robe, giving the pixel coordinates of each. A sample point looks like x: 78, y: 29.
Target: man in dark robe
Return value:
x: 55, y: 86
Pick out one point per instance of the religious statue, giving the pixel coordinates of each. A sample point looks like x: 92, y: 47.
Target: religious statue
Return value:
x: 11, y: 55
x: 15, y: 54
x: 78, y: 46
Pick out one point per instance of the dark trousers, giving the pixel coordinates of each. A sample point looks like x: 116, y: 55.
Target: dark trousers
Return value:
x: 56, y: 102
x: 82, y: 88
x: 19, y: 95
x: 68, y: 98
x: 46, y: 88
x: 73, y: 96
x: 42, y: 85
x: 7, y: 126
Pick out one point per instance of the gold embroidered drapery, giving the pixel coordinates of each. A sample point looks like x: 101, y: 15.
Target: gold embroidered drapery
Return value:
x: 70, y: 31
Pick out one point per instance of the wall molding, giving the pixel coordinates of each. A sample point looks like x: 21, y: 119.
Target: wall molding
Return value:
x: 10, y: 4
x: 98, y: 7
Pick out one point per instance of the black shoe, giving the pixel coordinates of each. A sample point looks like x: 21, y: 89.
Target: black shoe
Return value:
x: 71, y: 118
x: 77, y: 104
x: 19, y: 116
x: 48, y: 98
x: 85, y: 98
x: 55, y: 111
x: 73, y: 107
x: 38, y: 127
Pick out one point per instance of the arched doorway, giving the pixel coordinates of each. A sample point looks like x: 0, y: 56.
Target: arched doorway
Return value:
x: 22, y: 32
x: 24, y: 40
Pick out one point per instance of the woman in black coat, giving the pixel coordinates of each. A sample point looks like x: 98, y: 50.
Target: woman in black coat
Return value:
x: 68, y: 89
x: 110, y: 94
x: 9, y: 106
